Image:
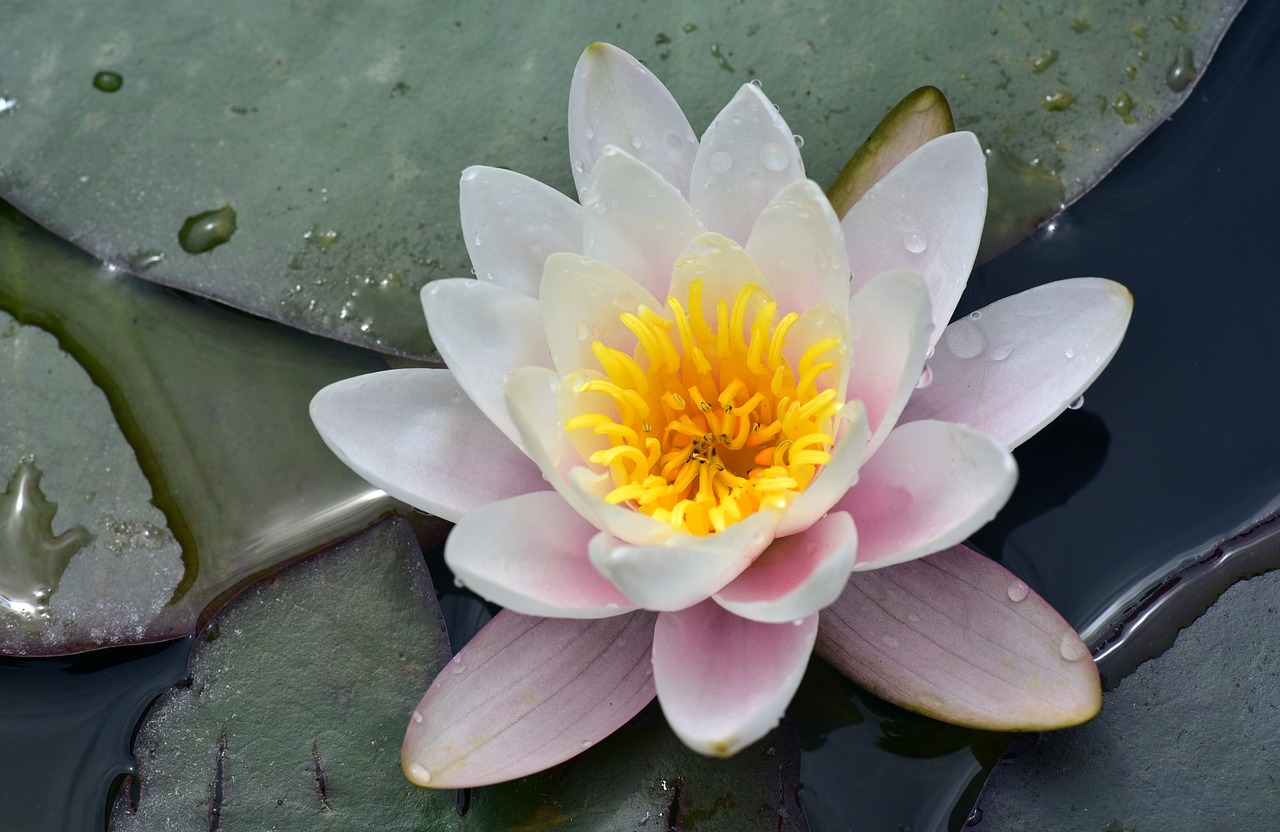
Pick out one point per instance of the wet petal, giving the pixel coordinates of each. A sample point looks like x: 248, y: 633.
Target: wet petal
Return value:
x: 414, y: 434
x: 511, y: 224
x: 615, y: 100
x: 798, y: 244
x: 746, y: 156
x: 1011, y: 368
x: 483, y: 332
x: 526, y: 694
x: 797, y: 575
x: 925, y: 215
x: 957, y: 637
x: 929, y: 486
x: 723, y: 681
x: 529, y: 554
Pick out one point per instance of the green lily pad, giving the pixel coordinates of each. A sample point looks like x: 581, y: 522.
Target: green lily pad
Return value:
x: 164, y: 444
x: 298, y: 700
x: 300, y: 162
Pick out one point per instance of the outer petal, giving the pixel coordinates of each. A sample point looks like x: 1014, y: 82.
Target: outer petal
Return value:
x: 959, y: 638
x: 483, y: 332
x: 615, y: 100
x: 798, y: 244
x: 525, y: 694
x: 686, y: 569
x: 723, y: 681
x: 582, y: 301
x: 835, y: 478
x: 890, y: 319
x: 925, y: 215
x: 929, y: 486
x: 635, y: 220
x: 1011, y: 368
x: 747, y: 155
x: 797, y: 575
x: 529, y: 554
x: 413, y: 434
x: 511, y: 223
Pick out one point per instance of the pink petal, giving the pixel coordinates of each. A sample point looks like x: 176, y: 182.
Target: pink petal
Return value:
x: 798, y: 244
x: 483, y: 332
x: 723, y: 681
x: 929, y: 486
x: 526, y: 694
x: 797, y: 575
x: 615, y: 100
x: 529, y: 554
x: 747, y: 155
x: 890, y: 320
x: 925, y: 215
x: 684, y: 569
x: 414, y: 434
x: 957, y: 637
x: 635, y: 220
x: 512, y: 223
x: 1011, y: 368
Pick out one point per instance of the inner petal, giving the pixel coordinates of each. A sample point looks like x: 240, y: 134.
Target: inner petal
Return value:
x: 711, y: 417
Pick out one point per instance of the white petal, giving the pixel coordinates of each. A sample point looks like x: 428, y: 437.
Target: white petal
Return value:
x: 797, y: 575
x: 615, y: 100
x: 723, y: 681
x: 414, y: 434
x: 928, y: 487
x: 724, y: 269
x: 925, y: 215
x: 798, y: 244
x: 836, y: 476
x: 1011, y: 368
x: 686, y: 569
x: 529, y: 554
x: 582, y: 301
x: 747, y: 155
x: 511, y: 224
x: 890, y: 320
x: 483, y: 332
x: 635, y: 220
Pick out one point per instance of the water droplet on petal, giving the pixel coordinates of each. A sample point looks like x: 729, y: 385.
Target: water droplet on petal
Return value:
x: 1077, y: 404
x: 586, y: 743
x: 890, y: 641
x: 721, y: 161
x: 417, y: 716
x: 589, y: 134
x: 583, y: 330
x: 469, y: 174
x: 926, y: 378
x: 1071, y: 648
x: 975, y: 316
x: 1070, y: 353
x: 1017, y: 591
x: 637, y: 142
x: 799, y: 140
x: 914, y: 242
x: 455, y: 396
x: 774, y: 157
x: 757, y: 83
x: 913, y: 618
x: 418, y: 774
x: 964, y: 339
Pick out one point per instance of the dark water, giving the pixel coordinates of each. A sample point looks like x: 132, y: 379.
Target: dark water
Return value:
x: 1174, y: 450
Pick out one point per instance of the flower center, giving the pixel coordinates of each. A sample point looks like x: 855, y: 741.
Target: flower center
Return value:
x: 713, y: 422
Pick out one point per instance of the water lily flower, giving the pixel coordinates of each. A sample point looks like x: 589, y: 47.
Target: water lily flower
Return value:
x: 682, y: 415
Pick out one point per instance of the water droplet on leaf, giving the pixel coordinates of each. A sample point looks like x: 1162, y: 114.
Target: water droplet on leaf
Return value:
x: 206, y: 231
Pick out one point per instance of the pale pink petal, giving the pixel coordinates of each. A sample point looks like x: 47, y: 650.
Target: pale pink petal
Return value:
x: 635, y: 220
x: 797, y: 575
x: 511, y: 224
x: 925, y: 215
x: 526, y: 694
x: 957, y: 637
x: 723, y: 268
x: 529, y: 554
x: 746, y: 156
x: 929, y: 486
x: 1011, y: 368
x: 815, y: 324
x: 685, y: 569
x: 890, y: 321
x: 615, y: 100
x: 835, y: 478
x: 798, y: 244
x: 582, y: 302
x: 723, y: 681
x: 414, y: 434
x: 483, y: 332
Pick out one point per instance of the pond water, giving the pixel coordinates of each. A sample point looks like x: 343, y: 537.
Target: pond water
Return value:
x: 1173, y: 451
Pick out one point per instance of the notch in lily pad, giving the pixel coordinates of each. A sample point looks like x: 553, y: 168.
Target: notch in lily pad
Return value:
x: 206, y: 231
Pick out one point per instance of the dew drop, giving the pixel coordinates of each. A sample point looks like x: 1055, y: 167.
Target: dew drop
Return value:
x: 1182, y: 71
x: 721, y: 161
x: 914, y: 242
x: 975, y: 316
x: 586, y: 743
x: 637, y: 142
x: 455, y: 396
x: 583, y: 330
x: 674, y: 141
x: 457, y: 668
x: 964, y: 339
x: 469, y: 174
x: 799, y: 140
x: 757, y: 83
x: 1071, y: 648
x: 913, y: 618
x: 107, y: 81
x: 418, y: 774
x: 774, y: 157
x: 417, y: 716
x: 926, y: 378
x: 890, y: 641
x: 1017, y: 591
x: 589, y: 134
x: 476, y: 241
x: 208, y: 230
x: 1077, y: 404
